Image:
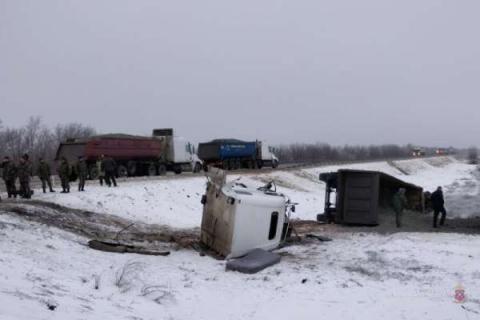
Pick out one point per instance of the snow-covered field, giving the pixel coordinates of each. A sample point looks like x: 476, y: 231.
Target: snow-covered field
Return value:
x: 176, y: 202
x: 356, y: 276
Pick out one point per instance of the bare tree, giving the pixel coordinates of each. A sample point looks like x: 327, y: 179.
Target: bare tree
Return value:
x: 72, y: 130
x: 322, y: 152
x: 37, y: 139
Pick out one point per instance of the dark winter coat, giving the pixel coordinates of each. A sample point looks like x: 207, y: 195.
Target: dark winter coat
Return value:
x: 82, y: 169
x: 109, y: 165
x: 399, y: 201
x: 44, y: 171
x: 24, y: 171
x: 64, y: 170
x: 9, y: 171
x: 437, y: 200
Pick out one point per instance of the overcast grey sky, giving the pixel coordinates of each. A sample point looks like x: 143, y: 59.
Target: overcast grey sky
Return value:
x: 369, y: 72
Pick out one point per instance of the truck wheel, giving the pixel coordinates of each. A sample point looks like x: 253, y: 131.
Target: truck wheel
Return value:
x: 260, y: 164
x: 238, y: 164
x: 93, y: 172
x: 177, y: 169
x: 132, y: 168
x: 197, y: 168
x: 162, y: 170
x: 251, y: 164
x: 152, y: 170
x: 226, y: 165
x: 122, y: 171
x: 274, y: 164
x: 232, y: 165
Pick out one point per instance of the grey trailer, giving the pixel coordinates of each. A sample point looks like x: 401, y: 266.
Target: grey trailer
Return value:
x: 359, y: 195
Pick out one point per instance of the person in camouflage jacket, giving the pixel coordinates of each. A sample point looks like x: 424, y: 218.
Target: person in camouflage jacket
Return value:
x: 64, y: 174
x: 9, y: 175
x: 25, y: 172
x: 45, y: 174
x: 82, y: 172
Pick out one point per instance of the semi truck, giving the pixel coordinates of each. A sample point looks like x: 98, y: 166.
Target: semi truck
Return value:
x: 134, y: 155
x: 232, y: 154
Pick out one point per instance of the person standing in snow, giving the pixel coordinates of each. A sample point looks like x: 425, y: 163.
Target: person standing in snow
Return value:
x: 438, y: 205
x: 25, y: 172
x: 64, y: 174
x: 44, y: 174
x: 9, y: 175
x: 82, y: 171
x: 101, y: 173
x: 399, y: 203
x: 109, y: 166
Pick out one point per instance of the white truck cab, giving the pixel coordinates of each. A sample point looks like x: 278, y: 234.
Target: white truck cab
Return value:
x: 238, y: 218
x: 267, y: 155
x: 182, y: 154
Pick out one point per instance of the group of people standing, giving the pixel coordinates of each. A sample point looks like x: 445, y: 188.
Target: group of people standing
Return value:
x: 23, y: 171
x: 66, y: 173
x: 106, y: 170
x: 436, y: 200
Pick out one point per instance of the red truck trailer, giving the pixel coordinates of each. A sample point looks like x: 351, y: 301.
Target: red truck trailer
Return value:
x: 134, y: 155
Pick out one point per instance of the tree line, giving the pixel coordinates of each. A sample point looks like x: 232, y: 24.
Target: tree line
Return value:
x: 323, y: 152
x: 37, y: 139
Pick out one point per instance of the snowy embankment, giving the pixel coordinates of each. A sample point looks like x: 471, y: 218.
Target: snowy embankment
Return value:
x: 357, y: 276
x: 176, y: 201
x: 47, y: 273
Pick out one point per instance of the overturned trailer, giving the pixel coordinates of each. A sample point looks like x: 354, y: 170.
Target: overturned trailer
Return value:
x: 358, y: 196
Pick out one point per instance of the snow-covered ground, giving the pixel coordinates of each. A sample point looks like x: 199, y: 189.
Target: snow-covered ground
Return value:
x: 356, y: 276
x: 176, y: 202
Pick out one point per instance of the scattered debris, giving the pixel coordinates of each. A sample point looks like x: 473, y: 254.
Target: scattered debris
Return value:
x: 123, y: 248
x: 319, y: 238
x: 51, y: 306
x: 254, y: 261
x: 470, y: 310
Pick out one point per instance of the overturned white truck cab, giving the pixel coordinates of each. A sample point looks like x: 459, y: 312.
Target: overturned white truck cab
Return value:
x: 238, y: 219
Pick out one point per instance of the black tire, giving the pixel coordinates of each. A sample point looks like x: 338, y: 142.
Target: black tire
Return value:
x: 122, y: 171
x: 197, y: 167
x: 177, y: 169
x: 274, y: 164
x: 93, y: 172
x: 260, y: 164
x: 226, y: 165
x: 235, y: 164
x: 152, y: 170
x: 162, y: 170
x: 232, y: 164
x: 132, y: 168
